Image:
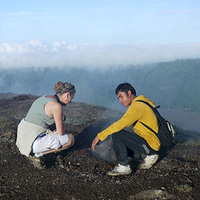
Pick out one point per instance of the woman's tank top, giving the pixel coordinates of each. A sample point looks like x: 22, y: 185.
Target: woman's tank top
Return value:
x: 37, y: 115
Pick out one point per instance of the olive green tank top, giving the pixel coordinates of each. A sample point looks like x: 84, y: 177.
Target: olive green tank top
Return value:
x: 37, y: 115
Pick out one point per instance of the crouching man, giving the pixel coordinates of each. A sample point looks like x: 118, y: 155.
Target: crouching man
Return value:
x: 140, y: 139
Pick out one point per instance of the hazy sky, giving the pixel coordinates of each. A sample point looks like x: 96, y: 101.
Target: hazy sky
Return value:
x: 97, y: 32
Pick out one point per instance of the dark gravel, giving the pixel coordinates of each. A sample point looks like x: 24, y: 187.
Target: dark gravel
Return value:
x: 80, y: 174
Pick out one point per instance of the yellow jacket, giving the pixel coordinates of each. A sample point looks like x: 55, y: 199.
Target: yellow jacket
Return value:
x: 139, y: 112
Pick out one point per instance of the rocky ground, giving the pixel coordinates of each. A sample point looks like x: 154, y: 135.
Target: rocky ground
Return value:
x: 81, y: 174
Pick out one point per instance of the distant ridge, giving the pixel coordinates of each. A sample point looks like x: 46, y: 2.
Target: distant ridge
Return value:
x: 170, y: 84
x: 7, y: 95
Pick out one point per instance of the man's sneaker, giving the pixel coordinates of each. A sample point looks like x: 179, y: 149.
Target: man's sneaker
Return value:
x: 149, y: 161
x: 120, y: 170
x: 36, y: 162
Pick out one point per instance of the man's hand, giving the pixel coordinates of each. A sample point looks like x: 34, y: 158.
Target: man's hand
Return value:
x: 95, y: 142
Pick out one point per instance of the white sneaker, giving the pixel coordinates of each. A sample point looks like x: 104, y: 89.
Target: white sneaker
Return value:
x: 120, y: 170
x: 149, y: 161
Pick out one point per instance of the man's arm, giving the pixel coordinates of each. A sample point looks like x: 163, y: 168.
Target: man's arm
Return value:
x: 127, y: 119
x: 130, y: 117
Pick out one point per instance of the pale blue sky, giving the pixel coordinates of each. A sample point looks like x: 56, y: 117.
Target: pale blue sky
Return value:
x: 122, y: 23
x: 100, y: 21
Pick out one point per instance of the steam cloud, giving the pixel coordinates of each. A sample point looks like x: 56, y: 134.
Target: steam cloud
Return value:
x: 61, y: 54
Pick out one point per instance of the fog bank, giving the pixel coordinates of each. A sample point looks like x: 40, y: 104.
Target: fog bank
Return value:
x: 61, y: 54
x: 188, y: 121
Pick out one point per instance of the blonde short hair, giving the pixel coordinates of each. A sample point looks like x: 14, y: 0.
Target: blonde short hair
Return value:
x: 61, y: 88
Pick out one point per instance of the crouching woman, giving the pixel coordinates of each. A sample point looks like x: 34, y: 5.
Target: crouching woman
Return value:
x: 34, y: 137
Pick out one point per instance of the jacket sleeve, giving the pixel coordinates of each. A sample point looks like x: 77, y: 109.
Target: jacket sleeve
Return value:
x: 131, y: 116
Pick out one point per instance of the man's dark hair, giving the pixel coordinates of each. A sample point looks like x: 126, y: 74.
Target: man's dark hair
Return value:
x: 125, y: 87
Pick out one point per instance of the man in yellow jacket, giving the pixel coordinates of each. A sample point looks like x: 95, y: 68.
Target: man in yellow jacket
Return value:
x: 140, y: 139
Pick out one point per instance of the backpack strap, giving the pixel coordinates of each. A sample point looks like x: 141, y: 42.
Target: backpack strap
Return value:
x: 148, y: 127
x: 166, y: 133
x: 154, y: 109
x: 155, y: 112
x: 148, y: 104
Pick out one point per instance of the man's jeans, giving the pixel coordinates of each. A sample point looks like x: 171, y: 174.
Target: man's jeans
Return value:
x: 124, y: 139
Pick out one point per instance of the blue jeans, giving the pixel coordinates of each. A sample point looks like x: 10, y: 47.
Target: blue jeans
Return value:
x: 124, y: 139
